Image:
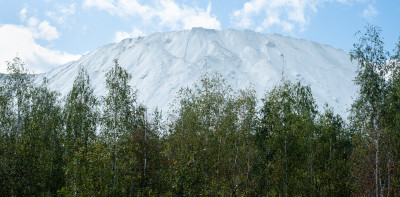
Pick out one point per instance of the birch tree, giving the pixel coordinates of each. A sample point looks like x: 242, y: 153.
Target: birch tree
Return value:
x: 80, y: 115
x: 367, y: 112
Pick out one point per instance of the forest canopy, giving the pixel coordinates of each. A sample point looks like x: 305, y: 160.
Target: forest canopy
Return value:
x: 215, y: 142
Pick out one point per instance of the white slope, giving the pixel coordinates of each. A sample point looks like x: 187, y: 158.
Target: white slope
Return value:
x: 162, y: 63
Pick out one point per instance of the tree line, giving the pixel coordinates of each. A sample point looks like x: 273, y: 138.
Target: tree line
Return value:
x: 215, y: 142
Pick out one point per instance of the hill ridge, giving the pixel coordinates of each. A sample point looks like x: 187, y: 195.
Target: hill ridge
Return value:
x: 162, y: 63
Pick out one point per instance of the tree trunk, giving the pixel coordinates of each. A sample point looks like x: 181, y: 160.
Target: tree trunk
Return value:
x: 248, y: 165
x: 145, y: 151
x: 388, y: 174
x: 115, y: 148
x: 286, y: 170
x: 329, y: 167
x: 311, y: 168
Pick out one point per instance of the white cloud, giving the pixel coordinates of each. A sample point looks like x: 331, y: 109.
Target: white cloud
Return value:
x: 101, y: 4
x: 166, y: 13
x: 46, y: 31
x: 369, y: 12
x: 22, y: 14
x: 18, y: 40
x: 40, y: 29
x: 200, y: 19
x: 33, y: 22
x: 68, y: 10
x: 285, y: 14
x: 62, y: 13
x: 120, y: 35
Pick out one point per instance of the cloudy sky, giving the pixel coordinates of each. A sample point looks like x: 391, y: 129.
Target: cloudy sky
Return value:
x: 48, y: 33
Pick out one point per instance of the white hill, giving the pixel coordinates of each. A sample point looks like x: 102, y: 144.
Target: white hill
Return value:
x: 162, y: 63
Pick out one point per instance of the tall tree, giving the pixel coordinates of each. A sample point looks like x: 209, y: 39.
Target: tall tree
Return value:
x: 43, y: 142
x: 367, y: 113
x: 209, y: 147
x: 130, y: 139
x: 285, y: 141
x: 332, y: 155
x: 392, y: 124
x: 146, y: 148
x: 15, y: 103
x: 117, y: 119
x: 80, y: 115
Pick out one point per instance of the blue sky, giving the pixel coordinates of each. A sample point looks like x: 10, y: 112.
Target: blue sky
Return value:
x: 48, y: 33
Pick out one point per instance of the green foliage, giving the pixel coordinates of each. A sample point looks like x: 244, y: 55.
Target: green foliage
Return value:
x: 132, y: 145
x: 300, y: 152
x: 31, y: 147
x: 373, y: 117
x: 118, y: 119
x: 209, y: 146
x: 372, y: 69
x: 80, y: 117
x: 16, y: 92
x: 285, y: 140
x: 333, y: 149
x: 43, y: 137
x: 392, y: 123
x: 214, y: 143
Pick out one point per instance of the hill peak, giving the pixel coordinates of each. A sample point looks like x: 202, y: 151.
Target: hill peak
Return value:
x: 162, y: 63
